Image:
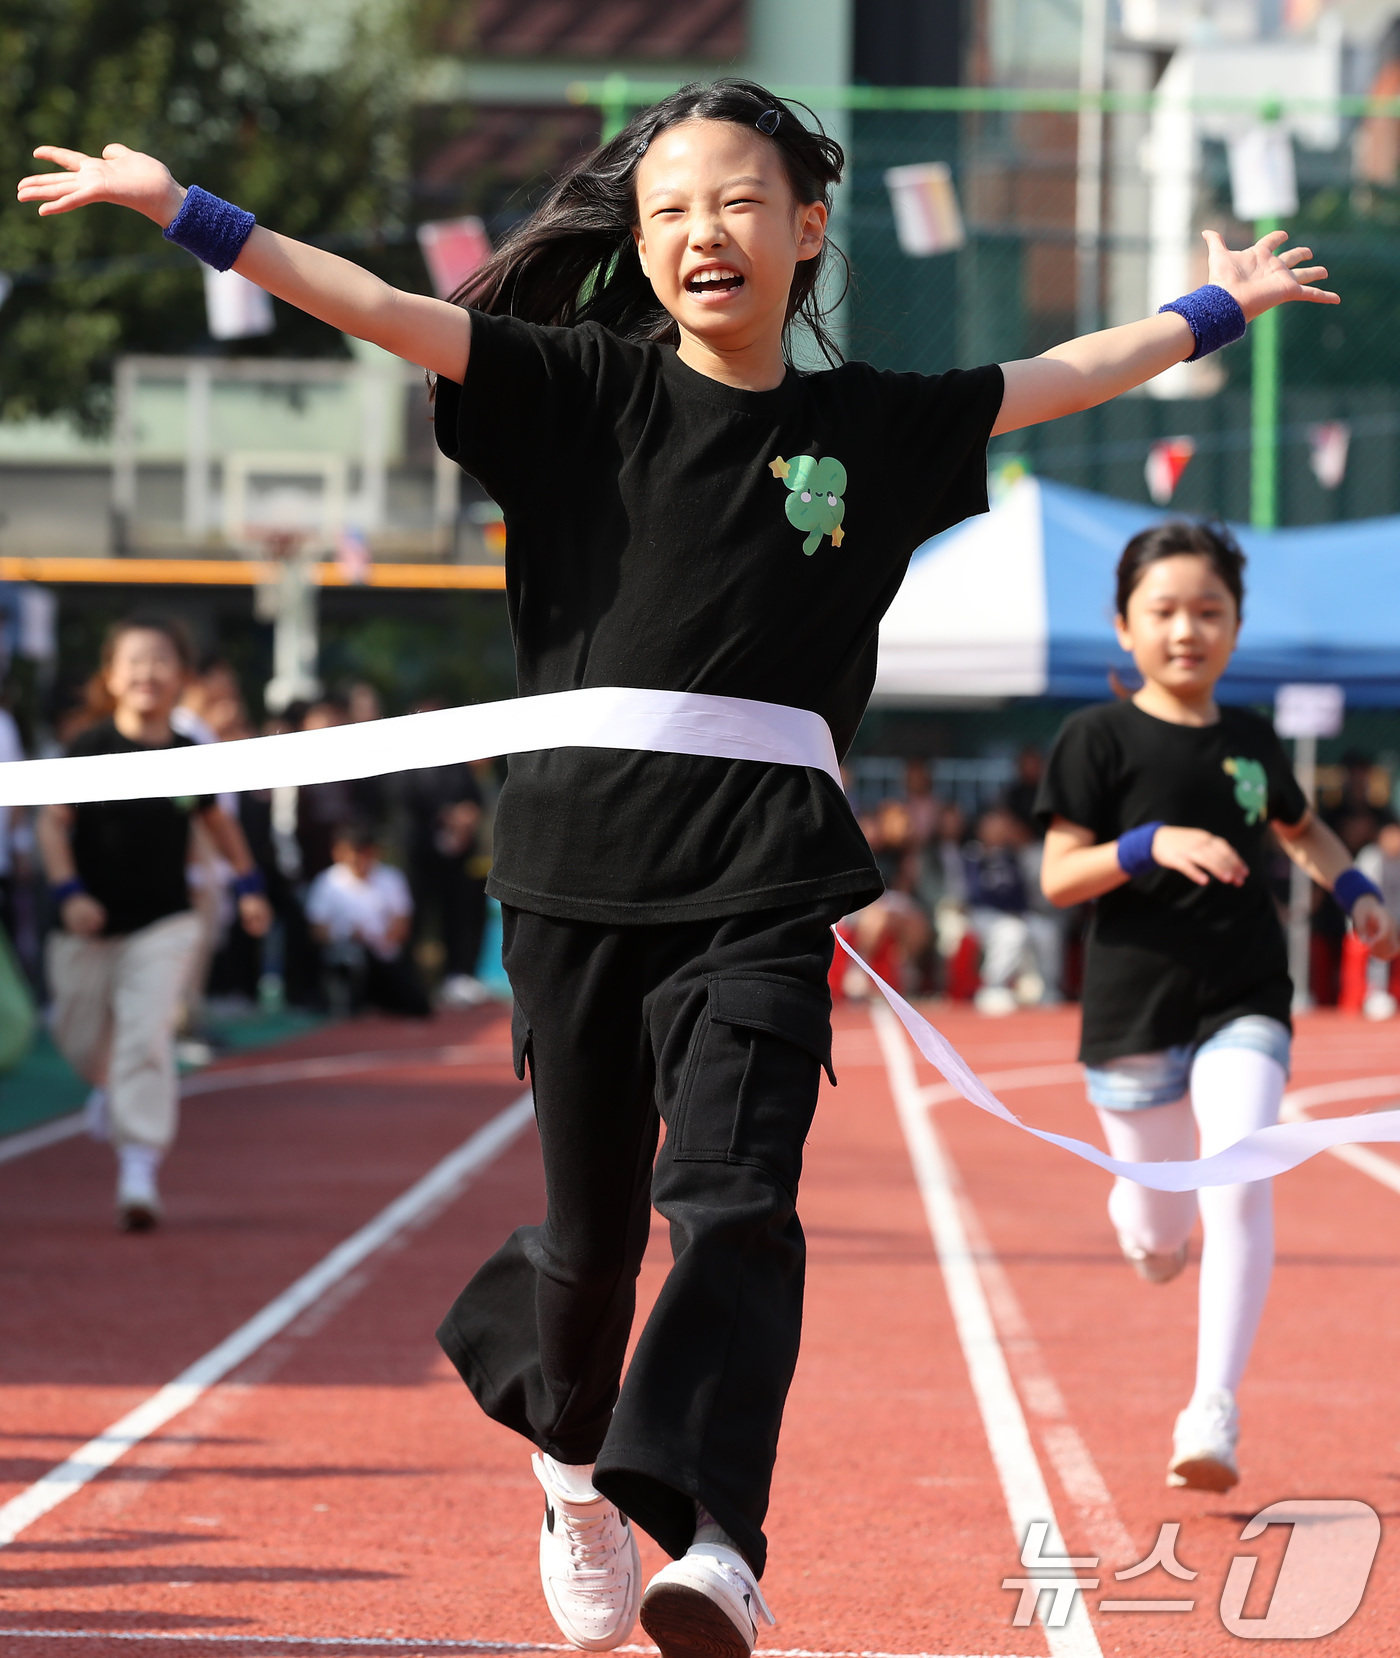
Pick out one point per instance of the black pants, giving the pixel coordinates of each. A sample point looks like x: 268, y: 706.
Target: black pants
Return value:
x: 442, y: 887
x: 723, y: 1028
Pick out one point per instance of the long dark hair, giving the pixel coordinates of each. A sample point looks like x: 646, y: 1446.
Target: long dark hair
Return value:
x: 1212, y: 542
x: 574, y: 260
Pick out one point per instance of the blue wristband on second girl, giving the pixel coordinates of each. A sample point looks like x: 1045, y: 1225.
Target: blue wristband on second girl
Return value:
x: 250, y: 885
x: 1135, y: 849
x: 1213, y: 315
x: 210, y: 228
x: 1350, y: 885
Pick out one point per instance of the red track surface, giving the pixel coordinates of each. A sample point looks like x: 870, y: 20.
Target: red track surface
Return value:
x: 342, y: 1485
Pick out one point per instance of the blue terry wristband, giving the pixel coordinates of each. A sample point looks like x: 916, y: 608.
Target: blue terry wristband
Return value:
x: 65, y: 890
x: 210, y: 228
x: 249, y: 885
x: 1213, y: 315
x: 1135, y: 849
x: 1350, y: 885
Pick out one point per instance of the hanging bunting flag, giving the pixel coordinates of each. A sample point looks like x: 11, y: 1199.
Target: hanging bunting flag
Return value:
x: 236, y: 309
x: 1167, y: 459
x: 352, y: 556
x: 452, y: 249
x: 1329, y: 441
x: 927, y: 218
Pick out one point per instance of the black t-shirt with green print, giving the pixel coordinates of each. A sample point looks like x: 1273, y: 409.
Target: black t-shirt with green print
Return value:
x: 131, y: 854
x: 1167, y: 961
x: 668, y: 532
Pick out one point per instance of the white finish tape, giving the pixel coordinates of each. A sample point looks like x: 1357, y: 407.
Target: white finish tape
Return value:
x: 668, y: 722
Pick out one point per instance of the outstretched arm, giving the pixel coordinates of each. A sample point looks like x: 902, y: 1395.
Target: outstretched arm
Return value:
x: 1085, y: 372
x: 426, y: 331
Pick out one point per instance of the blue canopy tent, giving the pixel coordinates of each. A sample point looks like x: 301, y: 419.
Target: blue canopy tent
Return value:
x: 1019, y: 603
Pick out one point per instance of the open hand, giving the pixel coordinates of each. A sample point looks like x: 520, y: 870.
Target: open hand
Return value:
x: 1199, y: 856
x: 1375, y: 927
x: 82, y: 915
x: 119, y: 175
x: 1261, y: 277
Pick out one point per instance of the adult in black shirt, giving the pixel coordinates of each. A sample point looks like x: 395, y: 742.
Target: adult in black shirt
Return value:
x: 118, y: 965
x: 1159, y: 808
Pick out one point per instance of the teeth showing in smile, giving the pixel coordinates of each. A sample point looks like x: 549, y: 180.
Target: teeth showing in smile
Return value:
x: 718, y: 279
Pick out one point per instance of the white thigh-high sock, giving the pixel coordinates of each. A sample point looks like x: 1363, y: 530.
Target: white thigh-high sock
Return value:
x: 1233, y: 1092
x: 1156, y: 1221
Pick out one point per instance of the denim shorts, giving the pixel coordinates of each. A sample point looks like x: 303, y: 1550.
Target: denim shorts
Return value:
x: 1137, y: 1082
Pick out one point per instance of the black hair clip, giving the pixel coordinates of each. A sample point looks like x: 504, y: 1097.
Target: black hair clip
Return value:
x: 767, y: 123
x: 642, y: 147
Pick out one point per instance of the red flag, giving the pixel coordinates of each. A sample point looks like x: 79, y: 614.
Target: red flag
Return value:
x: 1329, y: 442
x: 1167, y: 459
x: 452, y: 249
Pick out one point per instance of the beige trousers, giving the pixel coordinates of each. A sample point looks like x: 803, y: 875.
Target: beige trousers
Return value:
x: 115, y: 1008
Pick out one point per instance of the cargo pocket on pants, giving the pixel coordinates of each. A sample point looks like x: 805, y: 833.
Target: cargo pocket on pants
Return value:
x: 521, y: 1039
x: 750, y: 1087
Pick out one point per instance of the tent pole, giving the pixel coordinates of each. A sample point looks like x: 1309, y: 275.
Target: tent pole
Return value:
x: 1265, y: 350
x: 1300, y: 887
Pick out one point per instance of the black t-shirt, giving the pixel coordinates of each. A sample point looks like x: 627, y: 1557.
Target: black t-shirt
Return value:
x: 1169, y: 962
x: 668, y: 532
x: 131, y: 853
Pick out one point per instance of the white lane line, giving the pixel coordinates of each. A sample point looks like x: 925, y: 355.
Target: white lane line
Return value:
x: 395, y: 1642
x: 1040, y: 1393
x: 1295, y: 1110
x: 1028, y: 1076
x: 28, y: 1140
x: 35, y: 1139
x: 1022, y: 1481
x: 341, y: 1065
x: 439, y: 1186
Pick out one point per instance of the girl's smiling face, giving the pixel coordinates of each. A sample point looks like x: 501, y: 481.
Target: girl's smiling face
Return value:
x: 719, y: 232
x: 145, y: 675
x: 1181, y: 626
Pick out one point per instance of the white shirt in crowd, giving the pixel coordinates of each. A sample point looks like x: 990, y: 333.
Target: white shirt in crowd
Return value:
x: 348, y: 907
x: 10, y: 749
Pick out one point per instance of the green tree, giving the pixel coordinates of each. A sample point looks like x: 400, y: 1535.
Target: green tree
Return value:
x: 317, y: 154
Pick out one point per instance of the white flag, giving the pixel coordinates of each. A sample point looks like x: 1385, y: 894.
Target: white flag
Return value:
x: 1263, y: 179
x: 237, y: 309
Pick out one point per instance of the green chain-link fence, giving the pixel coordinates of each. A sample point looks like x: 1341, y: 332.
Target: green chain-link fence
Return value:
x: 1016, y: 286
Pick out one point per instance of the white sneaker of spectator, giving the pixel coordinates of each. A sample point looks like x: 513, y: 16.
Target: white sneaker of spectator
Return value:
x: 462, y: 990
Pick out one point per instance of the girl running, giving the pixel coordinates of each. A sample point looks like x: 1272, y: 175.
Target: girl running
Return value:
x: 686, y: 511
x: 1160, y: 808
x: 119, y: 962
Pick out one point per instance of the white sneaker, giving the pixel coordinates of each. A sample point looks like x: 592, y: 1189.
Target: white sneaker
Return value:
x: 705, y: 1605
x: 995, y: 1001
x: 589, y: 1566
x: 1157, y: 1267
x: 138, y: 1200
x: 462, y: 990
x: 96, y: 1120
x: 1203, y: 1444
x: 1379, y: 1004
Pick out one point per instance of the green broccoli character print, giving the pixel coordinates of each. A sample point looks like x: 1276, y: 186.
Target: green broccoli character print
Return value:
x: 814, y: 499
x: 1251, y: 788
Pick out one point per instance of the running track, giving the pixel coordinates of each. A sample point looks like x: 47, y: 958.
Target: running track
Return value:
x: 337, y: 1493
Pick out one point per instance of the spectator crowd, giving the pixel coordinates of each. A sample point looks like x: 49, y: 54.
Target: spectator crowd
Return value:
x: 963, y: 915
x: 376, y: 888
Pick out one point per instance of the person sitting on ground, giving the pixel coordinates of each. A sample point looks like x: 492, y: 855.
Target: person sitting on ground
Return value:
x: 1014, y: 939
x: 1380, y: 862
x: 361, y: 913
x: 120, y: 962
